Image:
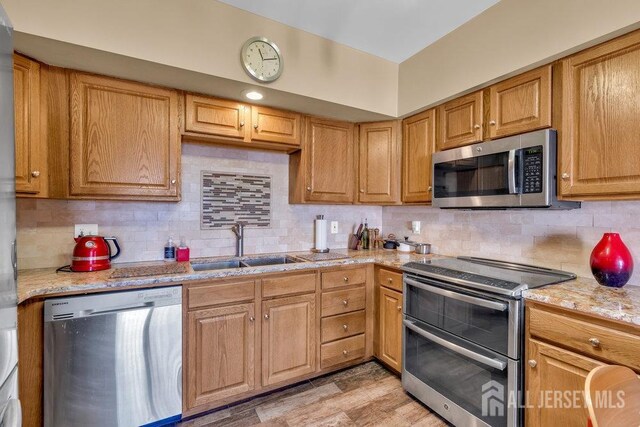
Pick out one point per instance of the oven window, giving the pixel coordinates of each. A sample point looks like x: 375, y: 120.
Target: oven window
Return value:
x: 455, y: 376
x: 485, y: 326
x: 476, y: 176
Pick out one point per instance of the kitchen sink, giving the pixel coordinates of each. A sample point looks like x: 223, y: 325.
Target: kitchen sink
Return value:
x: 217, y: 265
x: 259, y: 261
x: 245, y: 262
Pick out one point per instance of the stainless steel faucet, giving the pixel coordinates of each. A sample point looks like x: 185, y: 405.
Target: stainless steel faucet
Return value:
x: 238, y: 230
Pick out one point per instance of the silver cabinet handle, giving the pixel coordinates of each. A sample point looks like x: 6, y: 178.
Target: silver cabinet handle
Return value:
x: 173, y: 181
x: 565, y: 176
x: 35, y: 174
x: 251, y: 319
x: 399, y: 308
x: 476, y: 126
x: 429, y: 189
x: 255, y: 126
x: 345, y: 302
x: 494, y: 363
x: 241, y: 124
x: 533, y: 363
x: 345, y: 352
x: 595, y: 342
x: 492, y: 122
x: 345, y: 327
x: 266, y: 316
x: 361, y: 190
x: 460, y: 297
x: 345, y: 278
x: 308, y: 188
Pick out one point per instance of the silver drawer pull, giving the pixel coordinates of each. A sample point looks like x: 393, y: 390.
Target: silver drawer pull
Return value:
x: 345, y: 302
x: 345, y: 327
x: 345, y: 352
x: 595, y: 342
x: 266, y: 317
x: 460, y: 297
x: 345, y: 278
x: 494, y: 363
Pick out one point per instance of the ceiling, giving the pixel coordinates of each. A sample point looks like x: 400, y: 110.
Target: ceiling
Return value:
x: 393, y: 30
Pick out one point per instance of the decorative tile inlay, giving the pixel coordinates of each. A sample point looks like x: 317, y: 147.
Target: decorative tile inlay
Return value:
x: 228, y: 198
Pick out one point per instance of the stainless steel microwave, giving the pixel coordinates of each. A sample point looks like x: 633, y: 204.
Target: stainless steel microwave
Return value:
x: 514, y: 172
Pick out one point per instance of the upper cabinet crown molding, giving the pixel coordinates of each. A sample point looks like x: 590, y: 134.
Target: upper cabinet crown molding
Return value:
x: 30, y: 144
x: 599, y: 147
x: 125, y: 139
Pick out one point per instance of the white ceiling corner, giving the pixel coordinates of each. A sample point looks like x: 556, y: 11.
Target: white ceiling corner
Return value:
x: 393, y: 30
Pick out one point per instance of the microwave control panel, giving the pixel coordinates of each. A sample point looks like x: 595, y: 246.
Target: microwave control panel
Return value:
x: 532, y: 170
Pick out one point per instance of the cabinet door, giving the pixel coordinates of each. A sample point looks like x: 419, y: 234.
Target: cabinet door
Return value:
x: 555, y: 371
x: 220, y: 353
x: 460, y: 121
x: 390, y: 332
x: 216, y: 117
x: 124, y: 139
x: 271, y: 125
x: 329, y: 156
x: 379, y: 159
x: 600, y: 127
x: 29, y: 146
x: 418, y: 144
x: 288, y: 338
x: 520, y: 104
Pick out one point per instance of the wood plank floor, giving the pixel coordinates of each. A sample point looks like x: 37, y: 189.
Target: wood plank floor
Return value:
x: 365, y: 395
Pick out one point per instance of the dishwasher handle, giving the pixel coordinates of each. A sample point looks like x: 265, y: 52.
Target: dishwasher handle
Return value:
x: 92, y: 312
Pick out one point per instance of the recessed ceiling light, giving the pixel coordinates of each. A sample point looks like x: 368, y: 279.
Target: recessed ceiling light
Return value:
x: 254, y: 95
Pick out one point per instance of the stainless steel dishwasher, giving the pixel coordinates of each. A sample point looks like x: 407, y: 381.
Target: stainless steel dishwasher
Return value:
x: 113, y: 359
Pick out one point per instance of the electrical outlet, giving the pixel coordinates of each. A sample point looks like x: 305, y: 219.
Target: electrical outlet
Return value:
x: 334, y: 227
x: 85, y: 230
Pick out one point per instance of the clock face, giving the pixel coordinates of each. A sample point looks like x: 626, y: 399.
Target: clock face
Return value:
x: 261, y: 59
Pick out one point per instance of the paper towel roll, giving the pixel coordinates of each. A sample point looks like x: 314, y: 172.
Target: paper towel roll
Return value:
x: 321, y: 234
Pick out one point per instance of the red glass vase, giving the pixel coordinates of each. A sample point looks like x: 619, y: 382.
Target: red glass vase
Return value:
x: 611, y: 261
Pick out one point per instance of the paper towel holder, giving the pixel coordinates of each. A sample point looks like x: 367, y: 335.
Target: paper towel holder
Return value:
x: 315, y: 250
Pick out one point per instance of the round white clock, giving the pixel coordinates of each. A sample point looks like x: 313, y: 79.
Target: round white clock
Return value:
x: 261, y: 59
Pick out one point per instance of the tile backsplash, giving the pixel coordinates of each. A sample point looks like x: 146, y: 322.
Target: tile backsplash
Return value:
x: 555, y: 239
x: 45, y: 227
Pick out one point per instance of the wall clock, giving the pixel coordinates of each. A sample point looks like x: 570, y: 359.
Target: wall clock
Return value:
x: 261, y: 59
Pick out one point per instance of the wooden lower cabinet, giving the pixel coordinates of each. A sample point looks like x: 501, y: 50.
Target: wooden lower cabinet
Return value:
x: 554, y: 377
x: 288, y: 338
x: 390, y: 327
x: 221, y: 353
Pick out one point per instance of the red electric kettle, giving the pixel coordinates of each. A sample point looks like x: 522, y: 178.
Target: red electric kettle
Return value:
x: 93, y: 253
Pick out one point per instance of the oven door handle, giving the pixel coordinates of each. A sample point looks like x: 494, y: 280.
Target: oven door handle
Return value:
x: 511, y: 168
x: 494, y: 363
x: 460, y: 297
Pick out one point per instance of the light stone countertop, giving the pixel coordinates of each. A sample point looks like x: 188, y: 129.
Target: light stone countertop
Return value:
x: 45, y: 281
x: 588, y: 297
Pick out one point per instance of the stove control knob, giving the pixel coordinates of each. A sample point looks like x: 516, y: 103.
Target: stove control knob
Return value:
x: 533, y: 363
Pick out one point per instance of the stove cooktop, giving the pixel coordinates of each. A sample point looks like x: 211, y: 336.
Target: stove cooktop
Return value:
x: 500, y: 277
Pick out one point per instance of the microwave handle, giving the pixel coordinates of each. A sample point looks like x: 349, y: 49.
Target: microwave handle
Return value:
x: 460, y: 297
x: 494, y: 363
x: 511, y: 170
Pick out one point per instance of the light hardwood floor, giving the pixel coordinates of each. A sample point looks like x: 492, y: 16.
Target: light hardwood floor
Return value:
x: 366, y: 395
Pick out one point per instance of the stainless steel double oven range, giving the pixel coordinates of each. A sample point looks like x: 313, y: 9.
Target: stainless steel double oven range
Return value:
x: 463, y: 336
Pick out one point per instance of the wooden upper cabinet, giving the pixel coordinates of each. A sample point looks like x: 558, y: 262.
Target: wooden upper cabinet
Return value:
x: 520, y: 104
x: 30, y: 145
x: 289, y: 338
x: 221, y: 353
x: 460, y: 121
x: 272, y: 125
x: 379, y: 163
x: 324, y: 170
x: 418, y: 144
x: 599, y: 149
x: 217, y: 117
x: 125, y: 142
x: 390, y: 328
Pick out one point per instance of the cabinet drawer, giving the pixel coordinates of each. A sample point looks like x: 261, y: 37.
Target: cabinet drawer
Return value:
x: 220, y: 293
x: 345, y: 301
x: 334, y: 279
x: 343, y: 325
x: 288, y: 285
x: 337, y: 352
x: 587, y: 338
x: 390, y: 279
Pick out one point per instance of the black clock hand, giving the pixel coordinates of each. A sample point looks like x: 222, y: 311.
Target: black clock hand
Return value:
x: 268, y: 59
x: 260, y: 52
